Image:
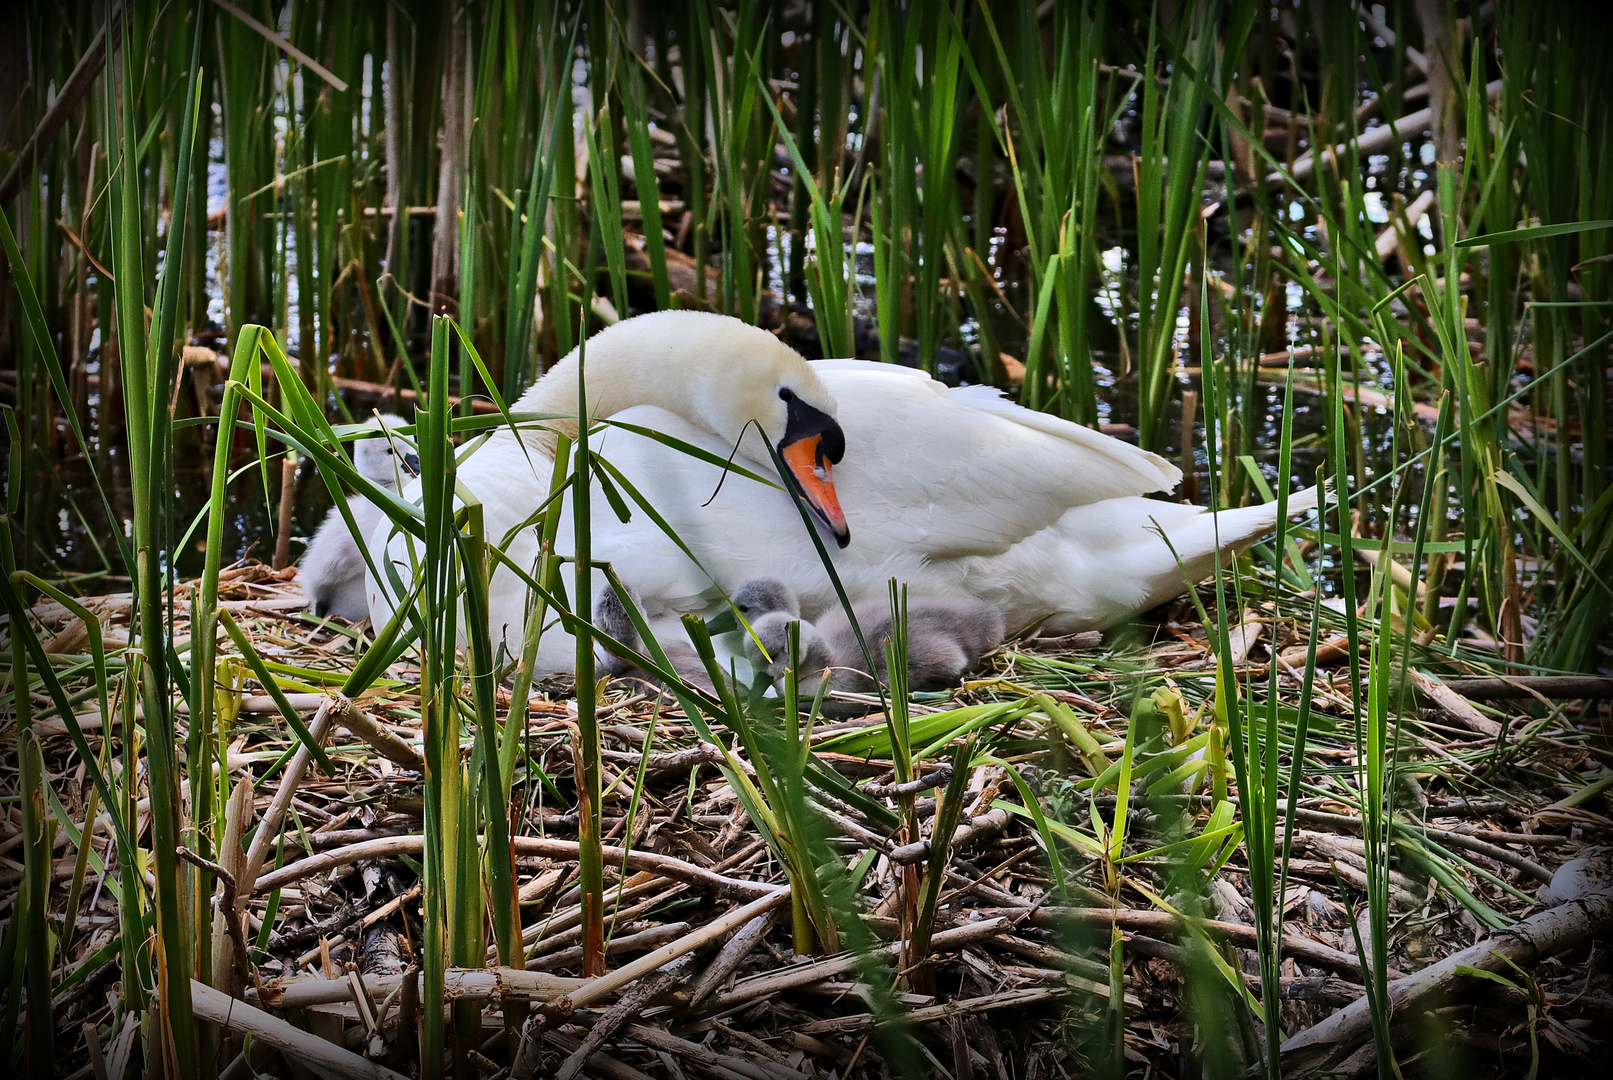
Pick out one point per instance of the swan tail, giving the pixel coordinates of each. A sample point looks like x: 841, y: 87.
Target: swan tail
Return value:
x: 1304, y: 501
x: 1202, y: 534
x: 1198, y: 539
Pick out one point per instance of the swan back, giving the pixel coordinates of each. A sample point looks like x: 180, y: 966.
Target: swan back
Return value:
x: 960, y: 472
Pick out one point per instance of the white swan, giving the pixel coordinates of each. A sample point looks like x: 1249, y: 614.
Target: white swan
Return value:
x: 956, y: 492
x: 331, y: 570
x: 724, y: 381
x: 953, y: 491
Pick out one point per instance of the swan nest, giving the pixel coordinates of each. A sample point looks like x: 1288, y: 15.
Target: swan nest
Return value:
x: 1496, y: 791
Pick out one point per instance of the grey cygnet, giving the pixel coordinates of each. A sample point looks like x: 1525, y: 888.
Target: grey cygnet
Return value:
x: 945, y: 638
x: 331, y: 569
x: 610, y: 615
x: 772, y: 629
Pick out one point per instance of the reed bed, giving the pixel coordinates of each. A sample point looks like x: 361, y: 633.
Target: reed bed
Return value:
x: 1342, y: 810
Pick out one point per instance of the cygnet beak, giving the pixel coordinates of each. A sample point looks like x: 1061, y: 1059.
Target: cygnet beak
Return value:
x: 812, y: 443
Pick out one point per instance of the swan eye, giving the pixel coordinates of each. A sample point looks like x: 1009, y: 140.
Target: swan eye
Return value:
x: 786, y: 394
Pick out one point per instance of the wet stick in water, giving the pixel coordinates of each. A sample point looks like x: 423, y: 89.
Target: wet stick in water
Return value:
x: 288, y: 505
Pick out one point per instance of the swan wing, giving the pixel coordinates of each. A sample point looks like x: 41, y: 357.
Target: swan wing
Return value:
x: 957, y: 472
x: 1101, y: 563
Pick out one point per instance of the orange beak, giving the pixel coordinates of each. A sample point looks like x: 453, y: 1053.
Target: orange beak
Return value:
x: 813, y: 476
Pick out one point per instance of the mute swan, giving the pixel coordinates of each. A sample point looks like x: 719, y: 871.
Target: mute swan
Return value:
x: 945, y: 638
x: 956, y: 491
x: 331, y: 569
x: 720, y: 378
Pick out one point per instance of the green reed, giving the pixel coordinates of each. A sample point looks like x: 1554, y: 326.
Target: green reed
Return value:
x: 326, y: 169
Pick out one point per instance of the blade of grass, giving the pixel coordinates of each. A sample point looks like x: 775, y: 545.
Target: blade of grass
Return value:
x: 590, y: 828
x: 38, y: 866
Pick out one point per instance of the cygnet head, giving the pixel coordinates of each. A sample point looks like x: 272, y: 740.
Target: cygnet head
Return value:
x: 773, y: 631
x: 762, y: 595
x: 387, y: 459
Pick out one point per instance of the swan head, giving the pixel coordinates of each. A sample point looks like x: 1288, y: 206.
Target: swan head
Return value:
x: 741, y: 375
x: 387, y: 459
x: 723, y: 375
x: 812, y: 445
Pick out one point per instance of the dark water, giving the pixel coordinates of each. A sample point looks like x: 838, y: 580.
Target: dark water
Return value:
x: 73, y: 535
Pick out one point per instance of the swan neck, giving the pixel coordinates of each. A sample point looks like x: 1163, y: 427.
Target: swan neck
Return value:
x: 615, y: 383
x: 556, y: 392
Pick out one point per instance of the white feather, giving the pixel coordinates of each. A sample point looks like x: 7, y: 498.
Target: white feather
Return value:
x: 954, y: 491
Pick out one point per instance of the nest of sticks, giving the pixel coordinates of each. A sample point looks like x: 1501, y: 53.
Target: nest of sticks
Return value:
x: 1496, y: 863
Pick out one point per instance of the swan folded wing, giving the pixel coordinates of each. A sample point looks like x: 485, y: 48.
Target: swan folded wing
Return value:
x: 1149, y: 470
x: 958, y: 473
x: 1133, y: 470
x: 1105, y: 562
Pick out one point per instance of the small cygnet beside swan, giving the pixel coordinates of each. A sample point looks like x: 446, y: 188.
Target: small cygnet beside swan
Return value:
x: 945, y: 638
x: 611, y: 616
x: 769, y: 606
x: 331, y: 569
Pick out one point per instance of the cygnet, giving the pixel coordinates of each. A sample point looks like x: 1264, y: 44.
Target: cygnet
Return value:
x: 331, y: 569
x: 772, y: 629
x: 945, y: 638
x: 610, y: 615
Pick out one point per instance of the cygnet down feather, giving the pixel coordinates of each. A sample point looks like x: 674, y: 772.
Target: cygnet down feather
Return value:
x: 945, y: 638
x: 610, y: 615
x: 331, y: 569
